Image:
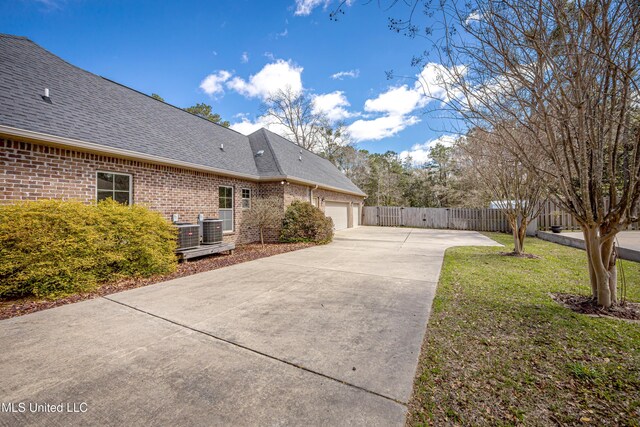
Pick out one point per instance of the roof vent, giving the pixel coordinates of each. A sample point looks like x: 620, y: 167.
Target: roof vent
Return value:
x: 45, y: 97
x: 259, y: 153
x: 222, y: 147
x: 300, y: 158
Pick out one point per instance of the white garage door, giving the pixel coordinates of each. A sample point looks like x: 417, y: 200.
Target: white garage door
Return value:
x: 356, y: 215
x: 339, y: 213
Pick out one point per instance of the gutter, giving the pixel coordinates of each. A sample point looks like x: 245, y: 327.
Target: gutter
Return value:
x: 312, y: 183
x: 64, y: 142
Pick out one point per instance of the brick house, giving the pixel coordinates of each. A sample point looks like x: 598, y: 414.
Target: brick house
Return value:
x: 70, y: 134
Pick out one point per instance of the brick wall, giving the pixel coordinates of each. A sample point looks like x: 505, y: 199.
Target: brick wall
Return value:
x: 295, y: 191
x: 271, y: 189
x: 33, y: 171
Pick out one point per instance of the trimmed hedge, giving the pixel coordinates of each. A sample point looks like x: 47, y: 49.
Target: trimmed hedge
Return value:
x: 53, y: 248
x: 304, y: 222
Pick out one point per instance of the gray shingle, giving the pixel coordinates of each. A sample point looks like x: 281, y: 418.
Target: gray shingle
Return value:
x: 311, y: 168
x: 91, y: 108
x: 266, y: 162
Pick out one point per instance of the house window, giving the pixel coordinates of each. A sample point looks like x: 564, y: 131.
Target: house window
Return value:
x: 116, y: 186
x: 225, y: 200
x: 246, y: 198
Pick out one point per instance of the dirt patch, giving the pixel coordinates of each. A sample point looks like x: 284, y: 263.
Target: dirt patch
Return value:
x: 586, y: 305
x: 244, y: 253
x: 523, y: 255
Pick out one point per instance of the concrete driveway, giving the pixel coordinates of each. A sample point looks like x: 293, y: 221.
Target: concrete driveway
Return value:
x: 328, y: 335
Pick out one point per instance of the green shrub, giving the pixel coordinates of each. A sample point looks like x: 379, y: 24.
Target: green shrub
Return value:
x: 52, y: 248
x: 303, y: 222
x: 140, y: 242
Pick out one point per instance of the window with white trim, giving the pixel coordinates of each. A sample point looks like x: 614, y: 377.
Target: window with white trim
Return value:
x: 246, y: 198
x: 116, y: 186
x: 225, y: 207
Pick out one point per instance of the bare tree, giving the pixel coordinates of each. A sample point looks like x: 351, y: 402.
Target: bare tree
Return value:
x: 293, y: 112
x: 515, y: 190
x: 332, y: 139
x: 354, y: 164
x: 568, y: 72
x: 265, y: 213
x: 465, y: 188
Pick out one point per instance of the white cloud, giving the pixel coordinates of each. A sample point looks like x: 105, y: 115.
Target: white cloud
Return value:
x: 360, y: 130
x: 383, y: 116
x: 432, y: 84
x: 247, y: 127
x: 269, y: 55
x: 275, y: 76
x: 283, y: 34
x: 305, y: 7
x: 382, y: 127
x: 342, y: 74
x: 213, y: 83
x: 244, y: 58
x: 395, y: 106
x: 391, y: 111
x: 435, y: 83
x: 473, y: 17
x: 332, y: 105
x: 421, y: 153
x: 398, y: 100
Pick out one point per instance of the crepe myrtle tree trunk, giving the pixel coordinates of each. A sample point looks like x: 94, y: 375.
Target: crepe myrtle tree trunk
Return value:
x: 518, y: 224
x: 520, y: 234
x: 601, y: 257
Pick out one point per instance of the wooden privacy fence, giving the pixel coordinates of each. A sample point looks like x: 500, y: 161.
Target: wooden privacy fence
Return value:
x: 552, y: 214
x: 452, y: 218
x: 465, y: 219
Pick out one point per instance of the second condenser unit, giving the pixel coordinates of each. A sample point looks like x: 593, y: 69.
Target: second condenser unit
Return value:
x: 211, y: 231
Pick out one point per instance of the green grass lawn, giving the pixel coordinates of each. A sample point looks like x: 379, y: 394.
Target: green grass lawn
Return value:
x: 500, y: 351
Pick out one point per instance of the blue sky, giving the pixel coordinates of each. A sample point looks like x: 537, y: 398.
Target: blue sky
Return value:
x: 231, y: 53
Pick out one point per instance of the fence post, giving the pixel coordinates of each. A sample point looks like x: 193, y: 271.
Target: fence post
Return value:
x: 532, y: 227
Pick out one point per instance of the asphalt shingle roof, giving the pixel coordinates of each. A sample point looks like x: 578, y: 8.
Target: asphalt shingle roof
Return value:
x: 292, y: 160
x: 93, y: 109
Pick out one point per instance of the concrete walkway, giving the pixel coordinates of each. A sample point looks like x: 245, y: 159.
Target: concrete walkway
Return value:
x: 625, y: 239
x: 328, y: 335
x: 627, y: 242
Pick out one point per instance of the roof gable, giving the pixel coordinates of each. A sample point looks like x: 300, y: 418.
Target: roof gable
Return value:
x: 296, y: 161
